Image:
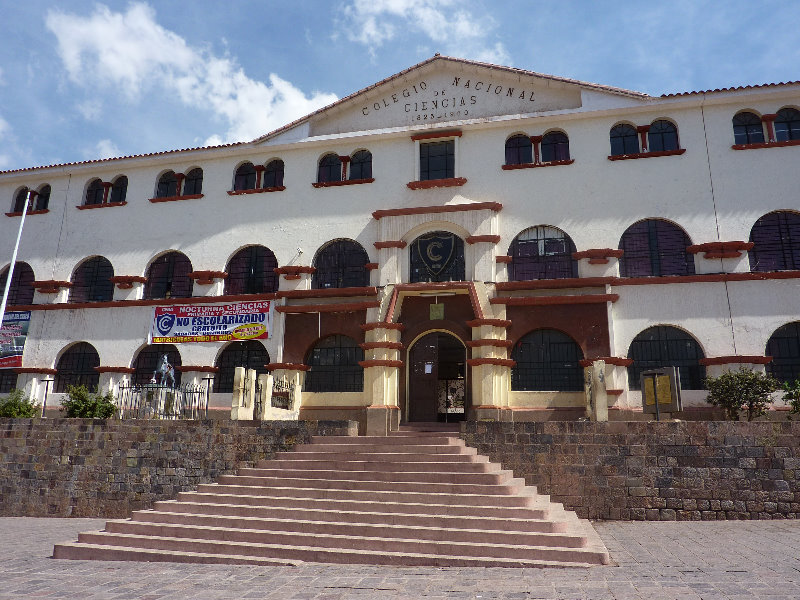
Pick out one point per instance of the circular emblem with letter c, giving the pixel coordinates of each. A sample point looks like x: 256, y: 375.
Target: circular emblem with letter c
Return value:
x: 429, y: 251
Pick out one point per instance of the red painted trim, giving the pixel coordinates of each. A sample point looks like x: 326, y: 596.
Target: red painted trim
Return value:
x: 504, y: 259
x: 436, y: 134
x: 707, y: 278
x: 284, y: 366
x: 554, y: 300
x: 125, y: 282
x: 45, y: 285
x: 381, y: 363
x: 30, y: 212
x: 609, y: 360
x: 426, y: 210
x: 614, y: 393
x: 553, y: 163
x: 103, y: 205
x: 127, y: 370
x: 500, y: 362
x: 329, y: 292
x: 554, y: 284
x: 278, y: 188
x: 474, y: 239
x: 382, y: 345
x: 648, y: 154
x: 324, y: 184
x: 436, y: 287
x: 766, y: 145
x: 382, y: 325
x: 390, y: 244
x: 492, y: 322
x: 371, y: 266
x: 719, y: 247
x: 436, y: 183
x: 40, y: 370
x: 176, y: 198
x: 326, y: 308
x: 197, y: 369
x: 598, y: 253
x: 294, y: 270
x: 207, y: 277
x: 489, y: 342
x: 149, y: 302
x: 728, y: 360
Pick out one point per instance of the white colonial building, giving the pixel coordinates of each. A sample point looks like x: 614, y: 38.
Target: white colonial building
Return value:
x: 457, y: 235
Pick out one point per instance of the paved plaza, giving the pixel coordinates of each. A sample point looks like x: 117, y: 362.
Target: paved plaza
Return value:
x: 654, y: 561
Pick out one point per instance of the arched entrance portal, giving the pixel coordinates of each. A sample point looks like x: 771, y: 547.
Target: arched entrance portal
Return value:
x: 437, y: 378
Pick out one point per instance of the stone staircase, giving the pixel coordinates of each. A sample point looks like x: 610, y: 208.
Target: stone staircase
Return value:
x: 415, y: 497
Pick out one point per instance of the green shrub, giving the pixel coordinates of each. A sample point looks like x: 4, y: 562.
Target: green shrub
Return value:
x: 84, y: 404
x: 791, y: 395
x: 16, y: 405
x: 741, y: 390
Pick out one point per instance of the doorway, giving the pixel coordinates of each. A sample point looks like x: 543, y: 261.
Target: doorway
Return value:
x: 437, y: 382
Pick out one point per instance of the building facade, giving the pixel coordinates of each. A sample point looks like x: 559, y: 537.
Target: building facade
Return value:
x: 459, y: 239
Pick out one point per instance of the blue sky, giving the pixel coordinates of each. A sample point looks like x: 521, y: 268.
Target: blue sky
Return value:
x: 83, y: 80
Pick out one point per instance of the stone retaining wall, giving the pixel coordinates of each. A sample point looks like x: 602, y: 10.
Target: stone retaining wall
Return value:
x: 96, y: 468
x: 653, y: 471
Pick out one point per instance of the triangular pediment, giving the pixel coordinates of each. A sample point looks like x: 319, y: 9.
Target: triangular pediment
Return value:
x: 443, y: 90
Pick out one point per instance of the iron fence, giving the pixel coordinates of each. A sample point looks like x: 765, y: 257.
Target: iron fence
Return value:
x: 154, y: 401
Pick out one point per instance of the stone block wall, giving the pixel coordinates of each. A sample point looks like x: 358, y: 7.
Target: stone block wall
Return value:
x: 653, y: 471
x: 96, y: 468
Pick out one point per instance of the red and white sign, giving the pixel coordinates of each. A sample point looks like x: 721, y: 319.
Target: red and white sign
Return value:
x: 211, y: 322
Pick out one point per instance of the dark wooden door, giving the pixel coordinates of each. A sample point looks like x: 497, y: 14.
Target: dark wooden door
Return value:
x: 436, y: 382
x: 423, y: 379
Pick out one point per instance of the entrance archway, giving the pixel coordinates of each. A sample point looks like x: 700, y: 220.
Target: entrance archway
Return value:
x: 437, y: 379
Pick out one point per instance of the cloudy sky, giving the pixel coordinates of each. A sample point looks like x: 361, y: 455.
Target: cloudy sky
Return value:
x: 81, y: 80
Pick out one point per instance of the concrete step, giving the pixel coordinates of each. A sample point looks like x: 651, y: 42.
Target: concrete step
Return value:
x: 89, y: 551
x: 487, y: 520
x: 450, y: 457
x: 416, y: 448
x: 382, y: 441
x: 219, y: 540
x: 497, y: 477
x: 372, y: 466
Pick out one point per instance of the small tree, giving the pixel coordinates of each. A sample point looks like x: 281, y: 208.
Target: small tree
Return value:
x: 740, y: 390
x: 17, y: 406
x: 84, y: 404
x: 791, y: 395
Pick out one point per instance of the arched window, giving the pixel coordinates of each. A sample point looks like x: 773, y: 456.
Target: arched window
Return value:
x: 340, y: 264
x: 547, y: 360
x: 245, y: 178
x: 784, y: 348
x: 624, y: 140
x: 519, y: 150
x: 334, y: 366
x: 787, y: 125
x: 21, y: 290
x: 8, y: 380
x: 76, y: 367
x: 437, y: 256
x: 20, y: 199
x: 193, y: 183
x: 662, y: 136
x: 119, y: 190
x: 273, y: 174
x: 330, y: 169
x: 747, y: 128
x: 555, y: 146
x: 168, y: 277
x: 250, y: 354
x: 654, y: 248
x: 252, y: 271
x: 542, y: 253
x: 665, y: 346
x: 148, y: 361
x: 167, y: 185
x: 361, y: 165
x: 43, y: 198
x: 95, y: 192
x: 91, y: 281
x: 776, y: 242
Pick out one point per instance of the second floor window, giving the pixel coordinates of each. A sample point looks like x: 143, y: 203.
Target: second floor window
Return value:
x: 747, y: 129
x: 437, y: 160
x: 624, y: 140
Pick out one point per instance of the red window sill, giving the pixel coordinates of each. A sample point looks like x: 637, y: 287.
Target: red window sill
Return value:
x: 554, y: 163
x: 648, y: 154
x: 766, y: 145
x: 278, y: 188
x: 436, y: 183
x: 30, y: 212
x: 104, y: 205
x: 321, y: 184
x: 175, y: 198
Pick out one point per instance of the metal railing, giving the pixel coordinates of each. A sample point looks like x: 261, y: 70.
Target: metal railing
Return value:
x: 155, y: 401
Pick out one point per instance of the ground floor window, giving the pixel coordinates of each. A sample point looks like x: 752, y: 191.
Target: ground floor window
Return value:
x: 334, y: 366
x: 547, y: 360
x: 8, y: 380
x: 76, y: 367
x: 784, y: 348
x: 149, y: 365
x: 665, y: 346
x: 250, y: 354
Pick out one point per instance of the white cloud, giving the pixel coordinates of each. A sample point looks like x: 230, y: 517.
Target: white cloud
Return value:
x: 104, y: 149
x: 132, y: 53
x: 457, y: 31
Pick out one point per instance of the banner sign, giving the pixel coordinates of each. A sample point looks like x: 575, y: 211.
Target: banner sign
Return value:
x: 211, y: 322
x: 13, y: 333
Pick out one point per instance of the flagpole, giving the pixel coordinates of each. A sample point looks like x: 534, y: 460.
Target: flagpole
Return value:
x: 14, y: 258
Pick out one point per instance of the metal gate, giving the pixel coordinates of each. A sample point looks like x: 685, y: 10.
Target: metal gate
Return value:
x: 154, y: 401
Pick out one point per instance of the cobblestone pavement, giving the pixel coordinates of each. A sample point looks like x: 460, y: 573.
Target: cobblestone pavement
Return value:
x: 655, y: 561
